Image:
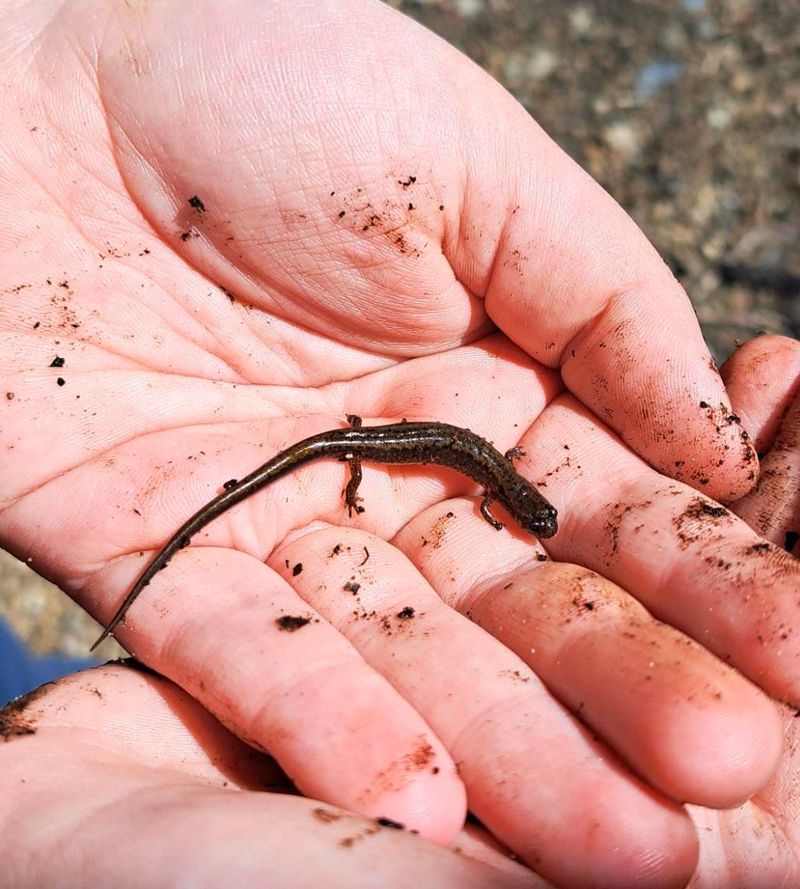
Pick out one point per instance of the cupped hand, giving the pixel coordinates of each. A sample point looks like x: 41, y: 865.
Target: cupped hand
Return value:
x: 114, y: 777
x: 228, y: 229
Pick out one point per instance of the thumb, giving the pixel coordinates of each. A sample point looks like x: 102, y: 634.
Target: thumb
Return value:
x: 569, y: 277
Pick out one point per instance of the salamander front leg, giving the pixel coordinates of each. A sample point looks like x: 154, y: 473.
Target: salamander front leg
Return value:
x: 351, y: 497
x: 514, y: 453
x: 486, y: 512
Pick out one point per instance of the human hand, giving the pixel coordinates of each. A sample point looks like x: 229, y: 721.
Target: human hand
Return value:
x: 134, y: 784
x: 340, y: 262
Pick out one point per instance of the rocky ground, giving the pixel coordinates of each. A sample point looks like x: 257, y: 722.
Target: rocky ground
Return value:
x: 688, y: 112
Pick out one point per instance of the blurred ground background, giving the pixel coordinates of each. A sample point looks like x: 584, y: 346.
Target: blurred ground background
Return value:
x: 686, y: 111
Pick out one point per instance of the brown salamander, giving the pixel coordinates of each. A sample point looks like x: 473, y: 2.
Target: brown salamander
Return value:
x: 423, y: 443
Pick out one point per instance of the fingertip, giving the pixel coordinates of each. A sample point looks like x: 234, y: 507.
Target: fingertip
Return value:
x: 762, y: 376
x: 433, y: 805
x: 660, y: 849
x: 670, y: 859
x: 718, y: 457
x: 719, y: 756
x: 750, y: 358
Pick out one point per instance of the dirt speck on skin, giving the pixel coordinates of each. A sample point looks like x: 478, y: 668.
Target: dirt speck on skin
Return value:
x: 326, y: 816
x: 438, y: 530
x: 13, y: 720
x: 586, y: 597
x: 13, y: 728
x: 612, y: 524
x: 404, y: 620
x: 761, y: 547
x: 189, y: 217
x: 386, y: 215
x: 132, y: 663
x: 289, y: 623
x: 400, y: 772
x: 699, y: 519
x: 774, y: 557
x: 616, y: 514
x: 722, y: 417
x: 699, y: 509
x: 421, y: 756
x: 380, y: 823
x: 516, y: 676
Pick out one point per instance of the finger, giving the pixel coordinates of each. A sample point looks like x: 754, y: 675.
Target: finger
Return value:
x: 569, y: 277
x: 603, y: 306
x: 764, y: 380
x: 762, y: 377
x: 689, y: 725
x: 137, y: 785
x: 689, y: 561
x: 756, y: 843
x: 279, y: 676
x: 534, y: 777
x: 773, y: 509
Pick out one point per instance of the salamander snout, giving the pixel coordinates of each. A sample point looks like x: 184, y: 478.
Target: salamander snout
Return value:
x: 543, y: 522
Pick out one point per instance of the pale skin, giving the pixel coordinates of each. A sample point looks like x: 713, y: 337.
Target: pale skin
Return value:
x: 397, y: 239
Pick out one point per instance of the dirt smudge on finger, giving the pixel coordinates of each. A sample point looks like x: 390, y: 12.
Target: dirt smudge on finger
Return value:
x: 14, y: 721
x: 700, y: 520
x: 400, y: 773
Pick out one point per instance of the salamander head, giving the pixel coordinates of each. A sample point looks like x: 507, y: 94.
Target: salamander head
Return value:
x: 543, y: 522
x: 531, y: 511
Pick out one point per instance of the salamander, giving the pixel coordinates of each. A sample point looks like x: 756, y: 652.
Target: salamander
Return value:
x: 406, y: 442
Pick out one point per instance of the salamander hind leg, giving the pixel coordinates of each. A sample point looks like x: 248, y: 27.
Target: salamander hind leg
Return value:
x: 487, y: 514
x: 514, y: 453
